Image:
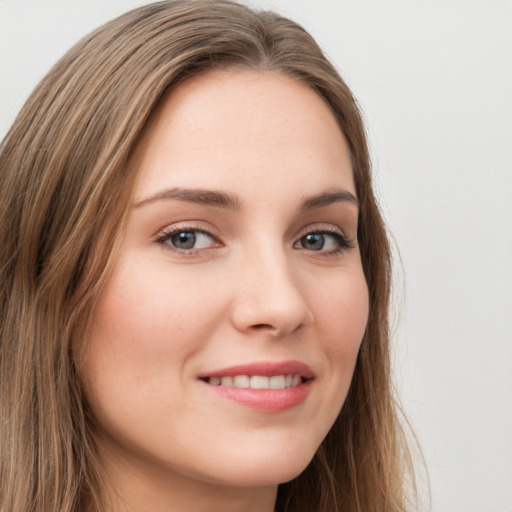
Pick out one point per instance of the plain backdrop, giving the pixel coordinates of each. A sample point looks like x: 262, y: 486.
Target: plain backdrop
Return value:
x: 434, y: 80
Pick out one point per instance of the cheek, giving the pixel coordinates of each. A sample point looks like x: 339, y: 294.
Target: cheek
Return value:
x: 342, y: 314
x: 147, y: 309
x: 144, y: 330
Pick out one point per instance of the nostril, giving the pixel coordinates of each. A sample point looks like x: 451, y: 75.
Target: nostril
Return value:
x: 264, y: 326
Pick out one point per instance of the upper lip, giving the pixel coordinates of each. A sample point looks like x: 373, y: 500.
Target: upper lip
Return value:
x: 265, y: 369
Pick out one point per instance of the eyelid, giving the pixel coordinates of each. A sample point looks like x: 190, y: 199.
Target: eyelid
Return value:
x: 186, y: 225
x: 322, y: 227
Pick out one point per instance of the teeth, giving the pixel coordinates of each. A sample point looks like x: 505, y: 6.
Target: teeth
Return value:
x: 277, y: 382
x: 215, y: 381
x: 241, y: 381
x: 226, y: 381
x: 257, y: 381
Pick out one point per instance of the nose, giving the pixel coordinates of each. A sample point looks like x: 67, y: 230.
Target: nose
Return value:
x: 270, y: 298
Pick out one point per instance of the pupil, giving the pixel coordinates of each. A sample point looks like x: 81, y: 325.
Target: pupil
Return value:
x: 314, y: 241
x: 184, y: 240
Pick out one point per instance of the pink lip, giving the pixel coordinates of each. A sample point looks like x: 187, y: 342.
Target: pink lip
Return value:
x: 267, y: 400
x: 265, y: 369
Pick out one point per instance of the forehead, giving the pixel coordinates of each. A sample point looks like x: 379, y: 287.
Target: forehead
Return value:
x: 238, y: 129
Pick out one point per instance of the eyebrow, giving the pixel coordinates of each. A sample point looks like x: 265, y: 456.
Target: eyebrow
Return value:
x: 225, y: 200
x: 328, y: 197
x: 197, y: 195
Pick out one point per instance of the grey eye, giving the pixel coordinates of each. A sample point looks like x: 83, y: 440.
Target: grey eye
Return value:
x: 313, y: 241
x: 183, y: 240
x: 189, y: 239
x: 324, y: 241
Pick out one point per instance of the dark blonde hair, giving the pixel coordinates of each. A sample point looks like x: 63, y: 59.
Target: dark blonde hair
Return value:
x: 65, y: 185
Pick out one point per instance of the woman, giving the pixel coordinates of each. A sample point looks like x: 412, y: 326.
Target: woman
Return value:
x: 195, y: 277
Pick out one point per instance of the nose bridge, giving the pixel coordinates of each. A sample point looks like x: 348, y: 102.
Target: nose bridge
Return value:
x: 270, y: 295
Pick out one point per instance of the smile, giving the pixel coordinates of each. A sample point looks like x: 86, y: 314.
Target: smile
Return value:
x: 257, y: 381
x: 269, y: 387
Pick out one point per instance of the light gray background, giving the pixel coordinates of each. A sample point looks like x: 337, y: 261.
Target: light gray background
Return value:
x: 434, y: 79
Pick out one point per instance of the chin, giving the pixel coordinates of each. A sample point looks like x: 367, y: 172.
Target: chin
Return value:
x: 264, y: 469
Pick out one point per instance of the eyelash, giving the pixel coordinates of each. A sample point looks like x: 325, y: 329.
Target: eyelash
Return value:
x: 176, y: 230
x: 343, y: 242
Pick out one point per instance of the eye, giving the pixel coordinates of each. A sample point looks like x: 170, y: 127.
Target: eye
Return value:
x: 325, y: 241
x: 187, y: 239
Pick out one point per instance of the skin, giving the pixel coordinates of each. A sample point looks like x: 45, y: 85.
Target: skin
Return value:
x: 252, y: 289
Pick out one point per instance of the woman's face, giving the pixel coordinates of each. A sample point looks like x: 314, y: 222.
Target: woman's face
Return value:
x: 239, y: 267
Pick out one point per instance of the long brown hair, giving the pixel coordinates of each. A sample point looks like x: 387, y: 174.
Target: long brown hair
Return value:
x: 65, y: 184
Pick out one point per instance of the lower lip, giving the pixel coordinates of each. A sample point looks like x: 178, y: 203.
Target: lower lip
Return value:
x: 268, y: 400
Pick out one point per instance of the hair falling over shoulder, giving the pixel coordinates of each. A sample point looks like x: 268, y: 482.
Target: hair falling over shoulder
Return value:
x: 65, y: 184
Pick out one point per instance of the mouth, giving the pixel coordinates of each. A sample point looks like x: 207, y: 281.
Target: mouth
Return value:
x: 270, y: 387
x: 257, y: 381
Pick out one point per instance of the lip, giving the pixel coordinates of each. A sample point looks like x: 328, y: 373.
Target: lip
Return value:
x: 265, y: 400
x: 265, y: 369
